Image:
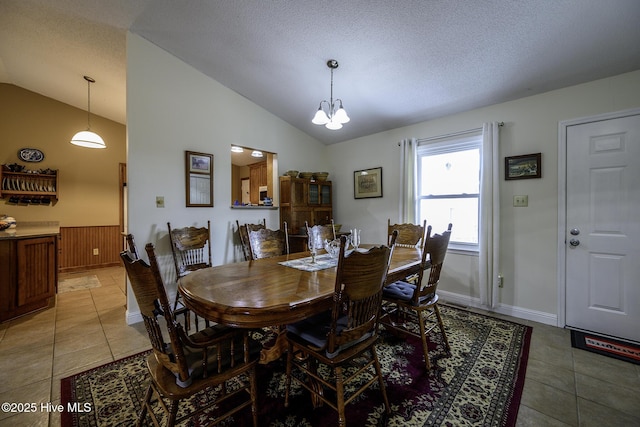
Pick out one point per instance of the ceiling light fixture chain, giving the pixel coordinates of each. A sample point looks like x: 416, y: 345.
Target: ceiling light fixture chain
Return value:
x: 335, y: 118
x: 86, y: 138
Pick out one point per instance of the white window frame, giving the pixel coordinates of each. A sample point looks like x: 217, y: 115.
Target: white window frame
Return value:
x: 435, y: 146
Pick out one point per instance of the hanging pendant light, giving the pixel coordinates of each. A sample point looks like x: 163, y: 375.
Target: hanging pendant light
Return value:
x: 86, y: 138
x: 335, y: 118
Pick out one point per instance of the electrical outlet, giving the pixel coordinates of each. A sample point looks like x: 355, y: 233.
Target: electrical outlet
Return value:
x: 96, y: 251
x: 159, y: 201
x: 521, y: 201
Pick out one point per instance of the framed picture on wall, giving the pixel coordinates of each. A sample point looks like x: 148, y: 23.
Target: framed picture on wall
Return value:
x: 199, y: 179
x: 367, y: 183
x: 523, y: 167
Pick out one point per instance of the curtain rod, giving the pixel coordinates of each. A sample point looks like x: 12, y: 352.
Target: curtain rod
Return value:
x: 449, y: 135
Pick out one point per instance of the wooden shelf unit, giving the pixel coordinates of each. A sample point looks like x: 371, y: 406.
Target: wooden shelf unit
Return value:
x: 305, y: 200
x: 29, y: 187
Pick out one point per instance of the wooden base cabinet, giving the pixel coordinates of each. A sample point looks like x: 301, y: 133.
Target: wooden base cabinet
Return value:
x: 28, y: 276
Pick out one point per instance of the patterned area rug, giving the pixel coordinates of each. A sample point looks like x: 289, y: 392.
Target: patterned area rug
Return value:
x: 78, y: 283
x: 479, y: 384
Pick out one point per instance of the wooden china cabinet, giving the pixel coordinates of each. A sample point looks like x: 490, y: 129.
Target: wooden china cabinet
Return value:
x: 304, y: 200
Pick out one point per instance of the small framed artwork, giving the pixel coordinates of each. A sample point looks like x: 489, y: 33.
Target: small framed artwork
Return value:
x: 199, y: 179
x: 367, y: 183
x: 523, y: 167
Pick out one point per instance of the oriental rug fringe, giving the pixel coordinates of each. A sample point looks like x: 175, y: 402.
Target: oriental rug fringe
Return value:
x: 479, y: 384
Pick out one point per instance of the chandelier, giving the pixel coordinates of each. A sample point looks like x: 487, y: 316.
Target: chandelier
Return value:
x: 86, y: 138
x: 334, y: 118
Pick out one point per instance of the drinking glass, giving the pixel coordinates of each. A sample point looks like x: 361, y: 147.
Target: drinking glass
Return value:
x: 355, y: 238
x: 313, y: 247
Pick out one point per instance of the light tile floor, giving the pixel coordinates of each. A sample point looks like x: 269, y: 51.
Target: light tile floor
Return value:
x: 87, y: 328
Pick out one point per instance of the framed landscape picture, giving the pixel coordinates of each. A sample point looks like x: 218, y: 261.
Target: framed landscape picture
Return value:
x: 523, y: 167
x: 367, y: 183
x: 199, y: 179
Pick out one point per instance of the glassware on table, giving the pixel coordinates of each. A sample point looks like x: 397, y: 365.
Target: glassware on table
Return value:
x: 313, y: 244
x: 355, y: 238
x: 333, y: 247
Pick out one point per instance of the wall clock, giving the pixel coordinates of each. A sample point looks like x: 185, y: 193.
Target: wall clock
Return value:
x: 31, y: 155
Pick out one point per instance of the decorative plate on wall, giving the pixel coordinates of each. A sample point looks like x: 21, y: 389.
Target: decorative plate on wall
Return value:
x: 31, y: 155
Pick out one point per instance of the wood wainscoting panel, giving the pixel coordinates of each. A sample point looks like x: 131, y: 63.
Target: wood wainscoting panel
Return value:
x: 77, y: 245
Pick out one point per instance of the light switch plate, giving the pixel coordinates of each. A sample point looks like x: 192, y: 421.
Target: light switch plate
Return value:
x: 159, y: 201
x: 521, y: 201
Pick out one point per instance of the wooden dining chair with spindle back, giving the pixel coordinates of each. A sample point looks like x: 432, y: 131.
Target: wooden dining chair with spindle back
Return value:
x: 191, y: 249
x: 407, y: 304
x: 243, y: 233
x: 409, y: 235
x: 266, y: 243
x: 182, y: 365
x: 343, y: 338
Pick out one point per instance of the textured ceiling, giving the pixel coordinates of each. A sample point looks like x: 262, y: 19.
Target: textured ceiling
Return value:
x: 401, y: 62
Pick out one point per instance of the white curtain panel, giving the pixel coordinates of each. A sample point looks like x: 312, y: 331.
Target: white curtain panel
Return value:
x: 489, y: 216
x: 408, y: 185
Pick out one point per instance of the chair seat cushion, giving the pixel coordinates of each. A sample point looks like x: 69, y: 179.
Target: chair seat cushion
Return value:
x: 315, y: 329
x: 403, y: 291
x: 399, y: 290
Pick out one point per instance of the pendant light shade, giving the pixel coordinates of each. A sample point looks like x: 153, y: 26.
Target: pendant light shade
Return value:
x: 86, y: 138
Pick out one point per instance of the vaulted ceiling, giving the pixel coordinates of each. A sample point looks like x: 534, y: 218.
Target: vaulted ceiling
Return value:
x: 401, y: 62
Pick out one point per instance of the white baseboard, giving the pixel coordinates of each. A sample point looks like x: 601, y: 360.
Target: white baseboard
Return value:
x: 133, y: 317
x: 507, y: 310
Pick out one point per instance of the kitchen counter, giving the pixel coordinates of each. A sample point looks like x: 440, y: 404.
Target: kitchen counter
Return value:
x: 25, y: 230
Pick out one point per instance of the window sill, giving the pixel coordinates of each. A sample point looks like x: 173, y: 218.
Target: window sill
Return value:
x: 461, y: 250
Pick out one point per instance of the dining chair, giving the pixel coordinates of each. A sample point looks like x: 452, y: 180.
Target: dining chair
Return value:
x: 406, y: 304
x: 244, y: 236
x: 182, y: 365
x: 191, y: 249
x: 343, y: 338
x: 131, y: 244
x: 409, y: 235
x: 320, y: 233
x: 266, y: 243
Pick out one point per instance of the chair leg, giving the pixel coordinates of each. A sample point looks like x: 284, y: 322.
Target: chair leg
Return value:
x: 253, y: 384
x: 441, y: 324
x: 340, y: 396
x: 173, y: 412
x: 383, y: 387
x: 287, y: 383
x: 423, y: 335
x: 145, y: 404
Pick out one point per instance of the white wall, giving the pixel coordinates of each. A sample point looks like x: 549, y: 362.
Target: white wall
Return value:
x: 171, y: 108
x: 528, y: 247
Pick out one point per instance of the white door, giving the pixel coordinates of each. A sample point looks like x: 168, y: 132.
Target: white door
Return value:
x: 602, y: 248
x: 245, y: 187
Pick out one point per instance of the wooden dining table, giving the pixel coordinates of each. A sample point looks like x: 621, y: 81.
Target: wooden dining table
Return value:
x: 263, y: 293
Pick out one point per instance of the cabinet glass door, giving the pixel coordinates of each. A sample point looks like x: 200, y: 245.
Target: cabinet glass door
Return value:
x: 314, y: 196
x: 325, y: 194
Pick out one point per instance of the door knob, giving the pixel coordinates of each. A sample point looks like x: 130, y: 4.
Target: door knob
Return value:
x: 574, y: 242
x: 574, y: 231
